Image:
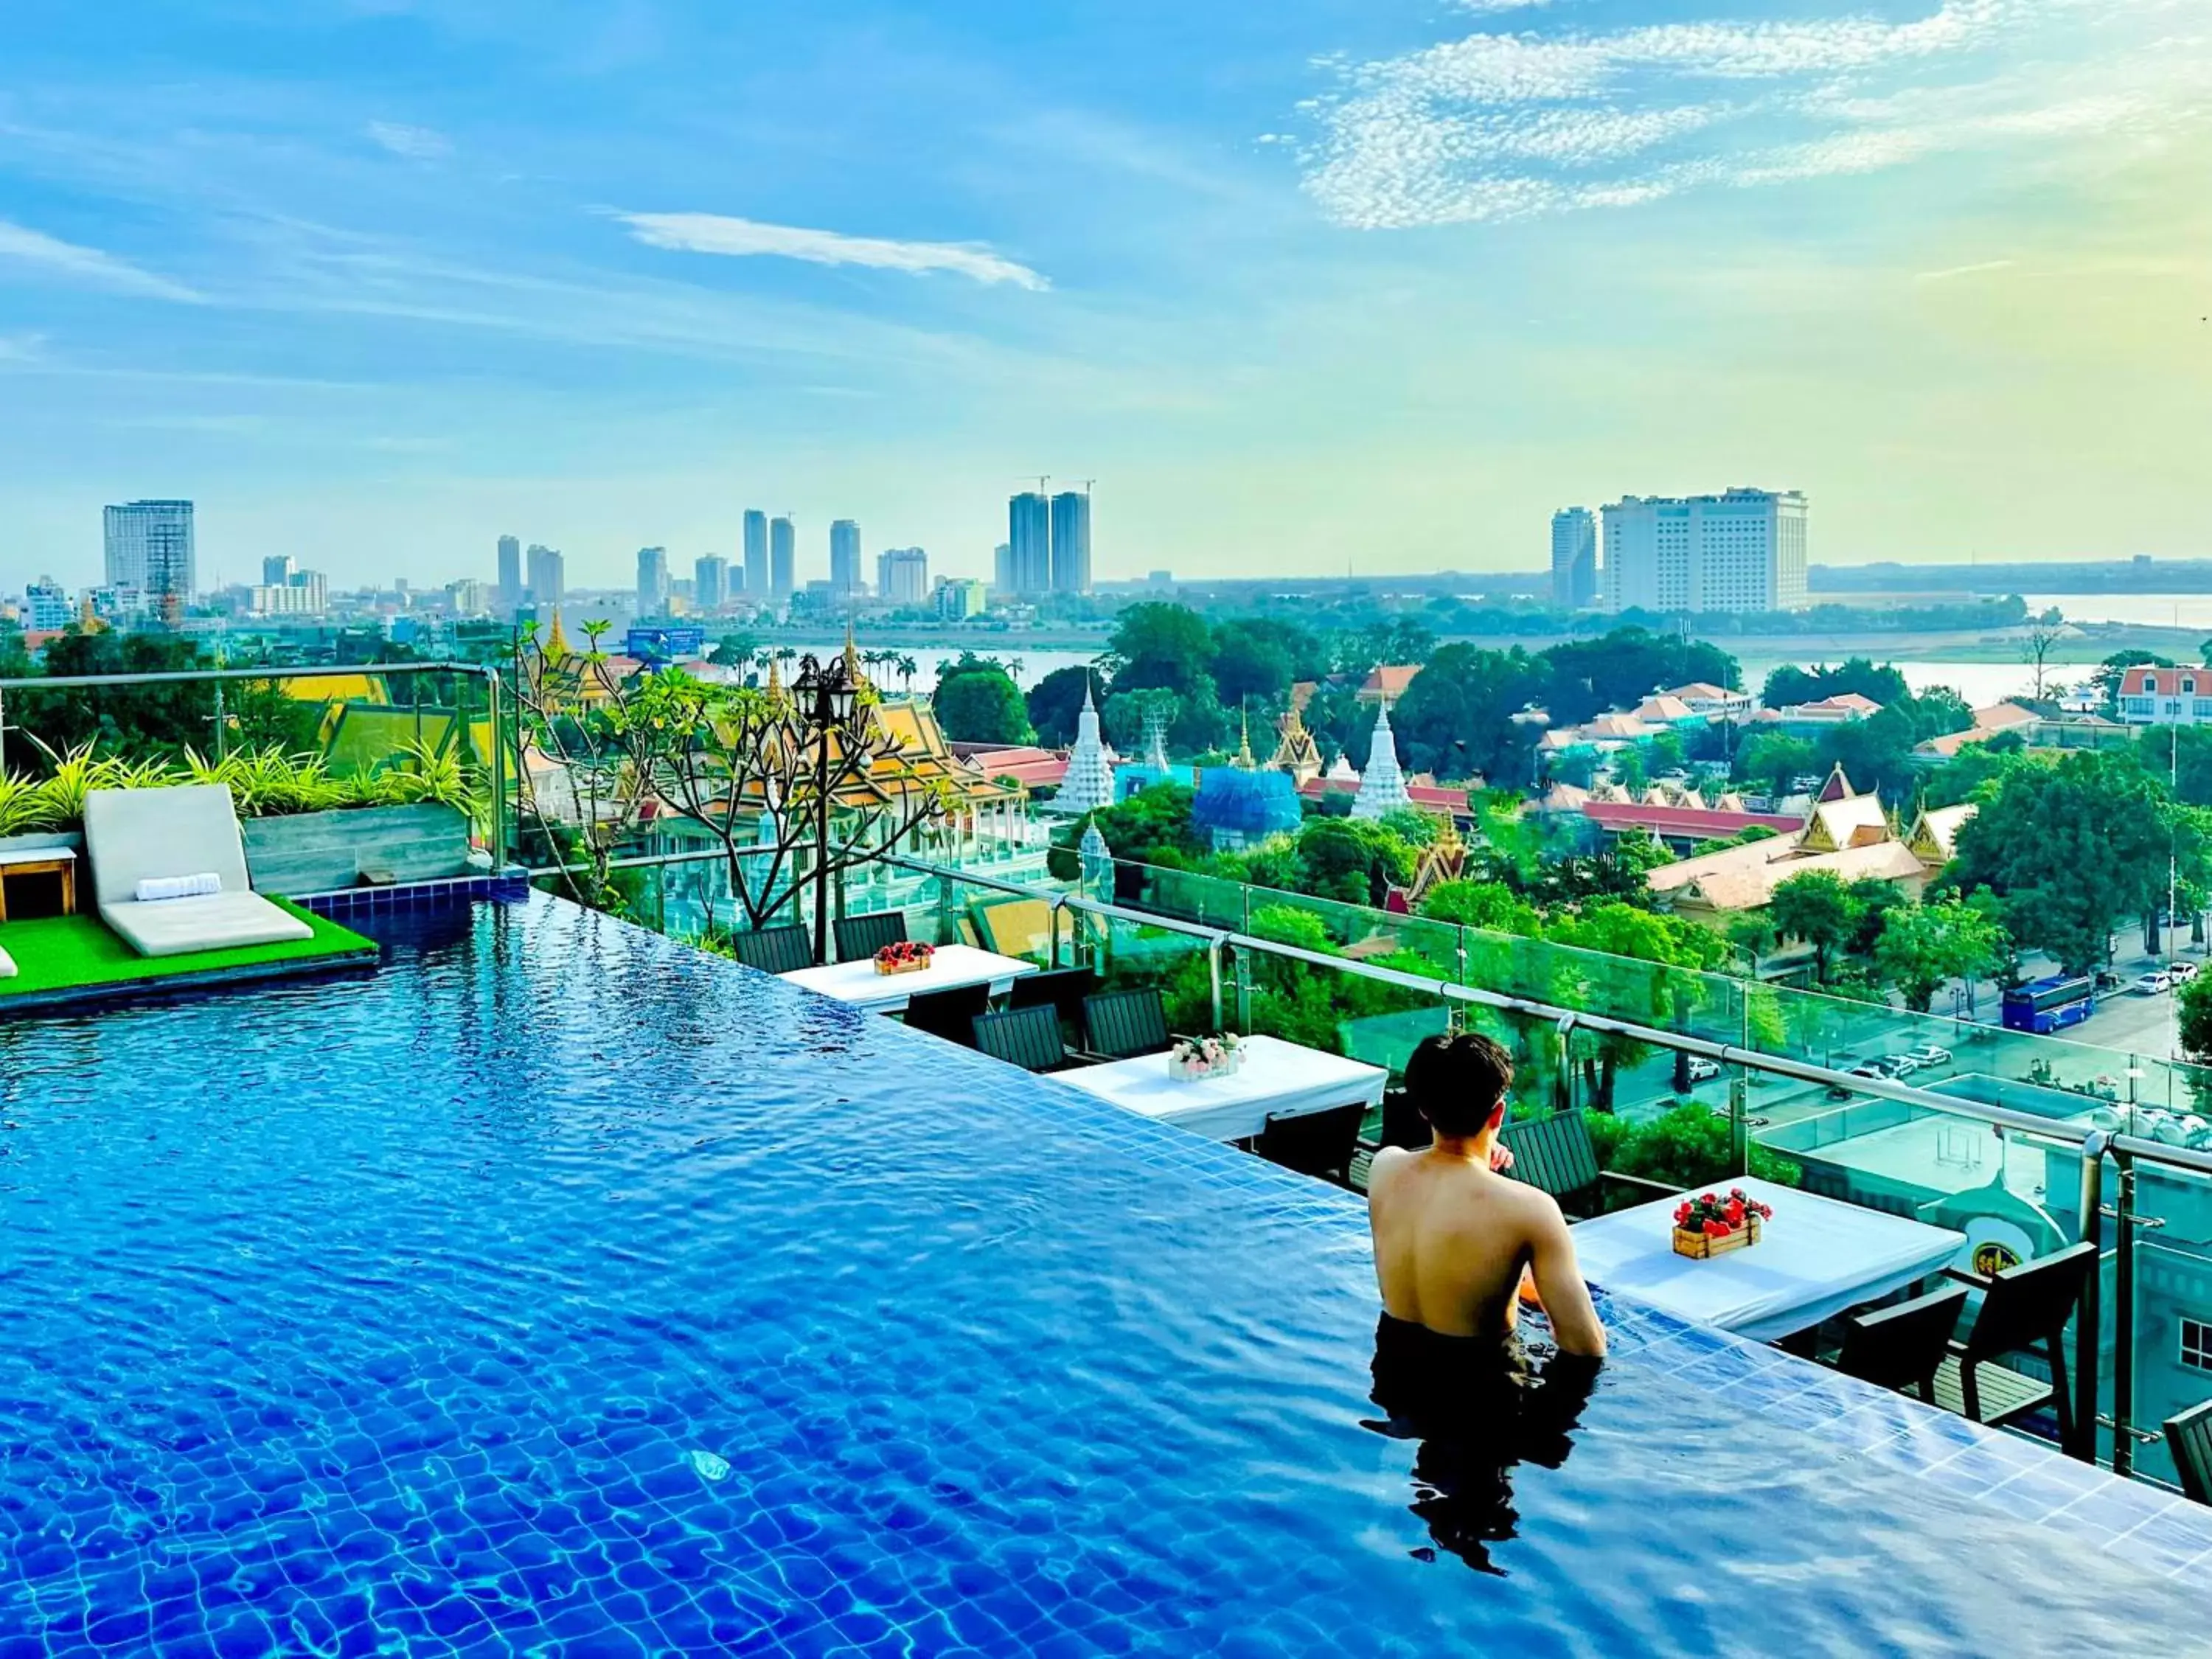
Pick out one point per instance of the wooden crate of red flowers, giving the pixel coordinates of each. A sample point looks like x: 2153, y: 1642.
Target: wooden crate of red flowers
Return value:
x: 1717, y: 1223
x: 906, y: 955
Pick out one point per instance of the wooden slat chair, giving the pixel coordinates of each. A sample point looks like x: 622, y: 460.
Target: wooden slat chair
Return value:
x: 1060, y: 990
x: 1315, y: 1144
x: 1122, y: 1024
x: 1403, y: 1125
x: 2188, y: 1437
x: 2024, y: 1310
x: 1027, y: 1038
x: 950, y: 1014
x: 1902, y: 1348
x: 860, y: 937
x: 782, y: 950
x: 1555, y: 1153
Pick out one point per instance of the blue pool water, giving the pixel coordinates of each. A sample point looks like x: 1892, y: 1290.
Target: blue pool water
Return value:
x: 561, y: 1290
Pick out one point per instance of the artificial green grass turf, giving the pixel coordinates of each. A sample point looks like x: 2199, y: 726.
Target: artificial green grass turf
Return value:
x: 79, y: 953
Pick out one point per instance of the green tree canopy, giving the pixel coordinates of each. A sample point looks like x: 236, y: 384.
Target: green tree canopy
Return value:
x: 1161, y: 647
x: 1772, y: 759
x: 1879, y: 682
x: 1055, y: 704
x: 1455, y: 720
x: 1924, y: 945
x: 1816, y: 909
x: 1621, y: 668
x: 976, y: 701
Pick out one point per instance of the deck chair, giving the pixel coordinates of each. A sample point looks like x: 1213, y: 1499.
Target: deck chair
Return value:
x: 1122, y: 1024
x: 861, y: 937
x: 1317, y: 1144
x: 1016, y: 928
x: 1902, y: 1348
x: 138, y: 839
x: 1060, y: 990
x: 2024, y: 1310
x: 1554, y: 1153
x: 784, y: 949
x: 1027, y: 1038
x: 2188, y: 1437
x: 949, y: 1014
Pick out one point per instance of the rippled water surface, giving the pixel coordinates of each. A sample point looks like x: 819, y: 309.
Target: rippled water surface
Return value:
x: 558, y: 1290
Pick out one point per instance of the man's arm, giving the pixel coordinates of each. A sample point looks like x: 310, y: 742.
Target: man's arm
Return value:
x: 1558, y: 1277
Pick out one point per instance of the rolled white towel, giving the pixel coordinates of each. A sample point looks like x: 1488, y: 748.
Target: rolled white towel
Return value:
x: 155, y: 888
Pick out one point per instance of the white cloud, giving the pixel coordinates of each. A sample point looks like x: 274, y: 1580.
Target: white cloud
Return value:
x: 21, y: 244
x: 413, y: 143
x: 1499, y: 125
x: 713, y: 233
x: 1951, y: 271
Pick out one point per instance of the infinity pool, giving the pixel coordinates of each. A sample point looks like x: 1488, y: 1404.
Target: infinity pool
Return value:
x: 561, y: 1290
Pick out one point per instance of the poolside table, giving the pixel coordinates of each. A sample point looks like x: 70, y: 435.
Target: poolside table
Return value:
x: 951, y: 967
x: 1817, y: 1257
x: 1277, y: 1079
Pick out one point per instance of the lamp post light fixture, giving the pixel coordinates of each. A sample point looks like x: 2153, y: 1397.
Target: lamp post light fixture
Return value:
x: 827, y: 700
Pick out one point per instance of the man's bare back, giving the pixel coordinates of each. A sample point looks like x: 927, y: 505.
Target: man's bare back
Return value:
x: 1454, y: 1240
x: 1457, y: 1242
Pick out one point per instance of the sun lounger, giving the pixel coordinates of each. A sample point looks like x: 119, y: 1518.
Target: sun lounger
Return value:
x: 7, y: 966
x: 135, y: 835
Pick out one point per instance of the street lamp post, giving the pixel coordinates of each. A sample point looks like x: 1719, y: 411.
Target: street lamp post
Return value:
x: 827, y: 698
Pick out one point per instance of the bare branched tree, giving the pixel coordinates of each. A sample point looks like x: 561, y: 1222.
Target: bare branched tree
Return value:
x: 2035, y: 647
x: 578, y: 714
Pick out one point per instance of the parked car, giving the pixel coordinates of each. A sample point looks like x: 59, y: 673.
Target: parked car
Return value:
x: 1928, y: 1054
x: 2182, y: 972
x: 1901, y: 1065
x: 2151, y: 983
x: 1702, y: 1070
x: 1869, y: 1068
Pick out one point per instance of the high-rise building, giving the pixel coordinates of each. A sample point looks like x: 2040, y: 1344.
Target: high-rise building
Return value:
x: 150, y: 548
x: 902, y: 576
x: 46, y: 608
x: 1002, y: 568
x: 1574, y: 558
x: 1029, y: 533
x: 302, y: 593
x: 277, y: 570
x: 509, y: 594
x: 844, y: 558
x: 710, y: 583
x: 958, y: 598
x: 1740, y: 550
x: 782, y: 559
x: 652, y: 581
x: 1071, y: 542
x: 549, y: 576
x: 755, y: 553
x: 467, y: 598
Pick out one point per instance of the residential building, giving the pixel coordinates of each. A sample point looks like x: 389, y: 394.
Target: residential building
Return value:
x: 652, y: 580
x: 549, y: 576
x: 782, y: 559
x: 1029, y: 534
x: 1740, y: 550
x: 149, y: 546
x: 302, y: 594
x: 845, y: 577
x: 1002, y: 568
x: 1839, y: 710
x: 1387, y: 683
x: 277, y: 570
x: 1574, y: 559
x: 710, y: 583
x: 902, y: 576
x: 1998, y: 717
x: 467, y: 598
x: 46, y: 608
x: 1071, y: 542
x: 757, y: 583
x: 1713, y: 702
x: 2166, y: 696
x: 958, y: 598
x: 509, y: 594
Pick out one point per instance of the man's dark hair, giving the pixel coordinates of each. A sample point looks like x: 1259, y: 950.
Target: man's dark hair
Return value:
x: 1459, y: 1083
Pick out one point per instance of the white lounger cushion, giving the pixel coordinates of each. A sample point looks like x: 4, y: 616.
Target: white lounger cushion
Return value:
x: 152, y: 835
x: 7, y: 966
x: 218, y: 922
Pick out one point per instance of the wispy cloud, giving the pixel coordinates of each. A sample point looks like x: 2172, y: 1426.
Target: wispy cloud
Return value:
x: 414, y: 143
x: 1950, y: 271
x: 713, y: 233
x: 1497, y: 125
x: 23, y: 246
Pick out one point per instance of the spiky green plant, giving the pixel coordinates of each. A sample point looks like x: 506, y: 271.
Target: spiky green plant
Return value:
x: 74, y: 775
x: 23, y: 806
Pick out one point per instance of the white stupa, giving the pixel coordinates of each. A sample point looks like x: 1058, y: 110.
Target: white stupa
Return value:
x: 1381, y: 785
x: 1089, y: 783
x: 1156, y: 741
x: 1097, y: 858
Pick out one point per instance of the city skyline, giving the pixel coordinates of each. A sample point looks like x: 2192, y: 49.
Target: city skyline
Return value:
x: 373, y: 283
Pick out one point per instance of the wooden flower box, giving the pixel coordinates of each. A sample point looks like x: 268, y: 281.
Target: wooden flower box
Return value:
x: 1699, y: 1248
x: 887, y: 966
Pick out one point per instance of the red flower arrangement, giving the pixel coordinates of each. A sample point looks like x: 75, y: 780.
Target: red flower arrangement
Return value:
x: 1708, y: 1225
x: 906, y: 956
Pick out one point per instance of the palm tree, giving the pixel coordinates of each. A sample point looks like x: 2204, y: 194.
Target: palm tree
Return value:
x: 907, y: 668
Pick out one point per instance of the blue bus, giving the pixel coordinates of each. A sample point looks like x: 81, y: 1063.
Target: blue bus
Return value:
x: 2043, y: 1006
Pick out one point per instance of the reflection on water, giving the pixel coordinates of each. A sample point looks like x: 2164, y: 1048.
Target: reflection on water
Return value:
x: 1479, y: 1410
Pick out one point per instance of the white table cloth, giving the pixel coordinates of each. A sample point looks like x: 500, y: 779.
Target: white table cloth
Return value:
x: 1815, y: 1259
x: 1277, y: 1079
x: 953, y: 967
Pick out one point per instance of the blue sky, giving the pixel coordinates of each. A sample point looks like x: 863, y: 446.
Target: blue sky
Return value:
x: 1304, y: 286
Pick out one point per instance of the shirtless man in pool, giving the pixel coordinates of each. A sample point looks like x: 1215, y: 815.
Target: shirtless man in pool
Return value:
x: 1456, y: 1241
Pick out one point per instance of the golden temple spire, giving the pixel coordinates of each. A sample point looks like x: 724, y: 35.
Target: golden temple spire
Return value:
x: 557, y: 643
x: 774, y: 676
x: 851, y: 657
x: 1244, y: 761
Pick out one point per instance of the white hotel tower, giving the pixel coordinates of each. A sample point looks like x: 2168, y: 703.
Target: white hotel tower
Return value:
x: 1743, y: 549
